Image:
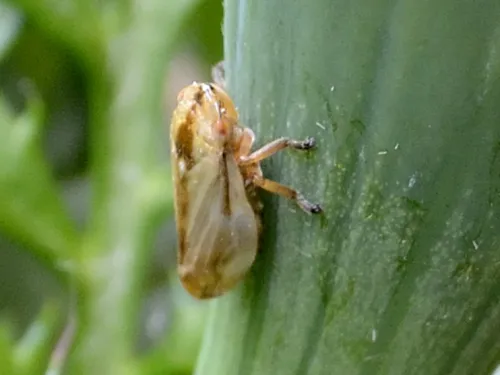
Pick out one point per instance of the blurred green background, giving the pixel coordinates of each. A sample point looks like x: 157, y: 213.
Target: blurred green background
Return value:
x: 37, y: 63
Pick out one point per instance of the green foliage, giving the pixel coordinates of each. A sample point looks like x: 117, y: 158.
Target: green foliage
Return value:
x: 7, y: 352
x: 401, y: 275
x: 33, y: 351
x: 10, y: 21
x: 35, y: 216
x: 123, y: 49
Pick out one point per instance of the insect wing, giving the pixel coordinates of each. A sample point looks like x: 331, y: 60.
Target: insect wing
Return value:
x: 220, y: 241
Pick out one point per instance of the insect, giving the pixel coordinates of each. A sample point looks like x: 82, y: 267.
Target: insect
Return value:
x: 215, y: 177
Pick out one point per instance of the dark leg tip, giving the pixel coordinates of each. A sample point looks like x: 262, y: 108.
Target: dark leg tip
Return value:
x: 307, y: 206
x: 309, y: 143
x: 316, y: 209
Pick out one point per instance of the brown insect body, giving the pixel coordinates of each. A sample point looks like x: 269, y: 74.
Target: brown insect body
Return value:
x: 215, y: 176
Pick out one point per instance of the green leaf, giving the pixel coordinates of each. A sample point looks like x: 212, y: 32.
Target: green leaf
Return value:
x: 177, y: 354
x: 10, y: 24
x: 63, y: 19
x: 206, y: 30
x: 401, y: 275
x: 6, y: 350
x: 31, y: 210
x: 33, y: 351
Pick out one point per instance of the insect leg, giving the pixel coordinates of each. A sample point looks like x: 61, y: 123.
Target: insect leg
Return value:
x: 219, y: 74
x: 245, y: 145
x: 275, y: 146
x: 287, y: 192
